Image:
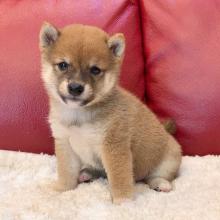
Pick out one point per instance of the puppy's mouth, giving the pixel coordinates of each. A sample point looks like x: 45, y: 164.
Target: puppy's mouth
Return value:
x: 81, y: 101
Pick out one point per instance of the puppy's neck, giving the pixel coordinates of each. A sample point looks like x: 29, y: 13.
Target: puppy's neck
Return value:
x: 71, y: 116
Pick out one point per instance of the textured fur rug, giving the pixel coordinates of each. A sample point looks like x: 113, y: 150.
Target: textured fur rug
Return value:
x: 23, y: 195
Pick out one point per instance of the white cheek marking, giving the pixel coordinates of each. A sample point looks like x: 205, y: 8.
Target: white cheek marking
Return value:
x: 109, y: 83
x: 63, y: 88
x: 49, y: 79
x: 87, y: 92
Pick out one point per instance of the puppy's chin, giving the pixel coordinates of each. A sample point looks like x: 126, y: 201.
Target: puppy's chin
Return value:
x: 75, y: 102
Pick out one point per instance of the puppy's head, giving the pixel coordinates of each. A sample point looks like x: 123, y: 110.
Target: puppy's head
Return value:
x: 80, y: 64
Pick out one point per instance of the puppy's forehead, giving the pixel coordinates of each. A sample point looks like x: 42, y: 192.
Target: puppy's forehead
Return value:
x: 83, y: 42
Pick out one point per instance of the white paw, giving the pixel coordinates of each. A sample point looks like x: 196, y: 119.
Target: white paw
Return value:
x: 118, y: 201
x: 164, y: 186
x: 57, y: 186
x: 160, y: 184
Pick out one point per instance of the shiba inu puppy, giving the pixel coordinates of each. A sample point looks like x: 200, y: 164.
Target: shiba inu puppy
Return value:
x: 96, y: 123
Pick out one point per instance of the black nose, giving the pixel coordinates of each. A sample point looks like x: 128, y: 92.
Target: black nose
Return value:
x: 75, y: 89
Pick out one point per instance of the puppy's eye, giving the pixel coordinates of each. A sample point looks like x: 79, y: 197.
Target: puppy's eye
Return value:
x: 63, y: 66
x: 95, y: 70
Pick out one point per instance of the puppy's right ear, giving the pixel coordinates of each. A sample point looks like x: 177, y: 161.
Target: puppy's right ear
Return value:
x: 48, y: 35
x: 116, y: 43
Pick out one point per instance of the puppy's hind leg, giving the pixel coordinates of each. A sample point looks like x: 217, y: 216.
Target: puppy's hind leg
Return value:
x: 160, y: 178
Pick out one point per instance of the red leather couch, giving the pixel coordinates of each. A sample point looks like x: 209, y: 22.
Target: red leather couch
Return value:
x: 172, y: 63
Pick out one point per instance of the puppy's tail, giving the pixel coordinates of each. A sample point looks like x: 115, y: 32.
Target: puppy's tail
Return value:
x: 170, y: 126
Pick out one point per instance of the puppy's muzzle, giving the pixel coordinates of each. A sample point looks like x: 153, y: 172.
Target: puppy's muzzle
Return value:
x: 75, y: 89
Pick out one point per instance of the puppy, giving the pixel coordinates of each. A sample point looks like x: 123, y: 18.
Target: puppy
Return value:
x: 96, y: 123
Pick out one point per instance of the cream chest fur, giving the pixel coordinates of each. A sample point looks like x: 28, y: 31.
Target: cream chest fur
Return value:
x: 85, y: 139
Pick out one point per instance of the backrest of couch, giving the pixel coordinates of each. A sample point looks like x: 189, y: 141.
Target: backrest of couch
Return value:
x: 182, y: 48
x: 23, y: 101
x: 177, y: 41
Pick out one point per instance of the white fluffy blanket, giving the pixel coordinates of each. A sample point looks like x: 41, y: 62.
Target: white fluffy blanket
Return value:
x: 24, y: 197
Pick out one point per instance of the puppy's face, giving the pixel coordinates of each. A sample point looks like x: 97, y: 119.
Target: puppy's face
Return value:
x: 80, y: 64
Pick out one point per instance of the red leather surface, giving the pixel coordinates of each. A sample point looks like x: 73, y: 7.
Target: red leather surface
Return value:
x: 23, y: 102
x: 182, y: 45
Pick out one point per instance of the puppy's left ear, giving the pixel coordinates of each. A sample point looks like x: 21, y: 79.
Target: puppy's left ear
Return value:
x: 48, y: 35
x: 116, y: 44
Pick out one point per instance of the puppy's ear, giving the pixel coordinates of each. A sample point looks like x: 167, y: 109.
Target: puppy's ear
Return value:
x: 48, y: 35
x: 116, y: 43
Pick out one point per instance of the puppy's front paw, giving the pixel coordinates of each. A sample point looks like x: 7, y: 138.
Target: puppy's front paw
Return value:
x: 59, y: 187
x: 118, y: 201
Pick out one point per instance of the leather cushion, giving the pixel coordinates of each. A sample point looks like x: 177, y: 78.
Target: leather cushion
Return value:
x: 182, y: 51
x: 23, y: 102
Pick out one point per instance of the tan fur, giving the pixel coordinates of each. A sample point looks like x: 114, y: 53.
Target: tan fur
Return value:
x: 107, y: 128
